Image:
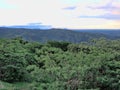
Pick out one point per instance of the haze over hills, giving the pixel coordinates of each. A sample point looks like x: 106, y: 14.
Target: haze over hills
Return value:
x: 58, y: 34
x: 31, y: 26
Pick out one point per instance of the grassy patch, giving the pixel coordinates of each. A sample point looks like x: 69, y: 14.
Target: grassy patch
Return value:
x: 15, y: 86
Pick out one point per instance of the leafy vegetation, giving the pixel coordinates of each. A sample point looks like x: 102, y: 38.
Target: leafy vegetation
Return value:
x: 93, y: 65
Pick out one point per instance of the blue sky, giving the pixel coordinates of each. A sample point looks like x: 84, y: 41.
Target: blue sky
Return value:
x: 73, y: 14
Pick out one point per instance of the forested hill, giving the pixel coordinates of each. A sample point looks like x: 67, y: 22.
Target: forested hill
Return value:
x: 53, y: 34
x: 93, y: 65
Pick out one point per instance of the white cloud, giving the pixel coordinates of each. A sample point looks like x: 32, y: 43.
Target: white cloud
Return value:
x: 51, y: 12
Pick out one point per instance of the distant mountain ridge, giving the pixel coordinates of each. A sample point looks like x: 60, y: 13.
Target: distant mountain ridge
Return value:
x: 54, y: 34
x: 31, y: 26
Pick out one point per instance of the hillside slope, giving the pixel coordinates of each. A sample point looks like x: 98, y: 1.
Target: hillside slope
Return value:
x: 52, y: 34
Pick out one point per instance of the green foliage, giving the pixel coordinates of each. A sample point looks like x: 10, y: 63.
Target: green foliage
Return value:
x: 61, y: 45
x: 61, y: 65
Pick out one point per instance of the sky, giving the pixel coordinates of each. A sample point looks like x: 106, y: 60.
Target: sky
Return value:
x: 71, y: 14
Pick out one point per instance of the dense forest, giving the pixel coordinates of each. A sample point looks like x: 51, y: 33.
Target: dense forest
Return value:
x: 59, y: 65
x: 74, y: 36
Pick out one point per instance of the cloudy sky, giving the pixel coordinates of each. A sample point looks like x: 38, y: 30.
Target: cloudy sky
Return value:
x: 73, y: 14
